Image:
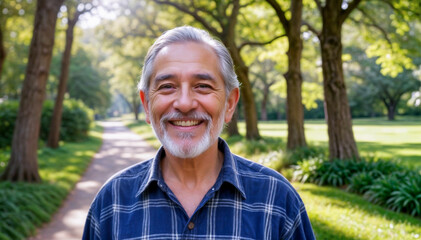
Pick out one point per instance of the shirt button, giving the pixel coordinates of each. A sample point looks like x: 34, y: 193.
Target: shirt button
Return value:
x: 191, y: 225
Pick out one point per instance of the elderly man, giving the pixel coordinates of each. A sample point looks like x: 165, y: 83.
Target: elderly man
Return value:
x: 194, y: 188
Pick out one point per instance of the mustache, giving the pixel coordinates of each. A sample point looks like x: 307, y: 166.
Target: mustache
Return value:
x: 190, y: 115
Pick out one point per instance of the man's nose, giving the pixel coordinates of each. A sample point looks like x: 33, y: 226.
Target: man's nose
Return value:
x: 186, y: 100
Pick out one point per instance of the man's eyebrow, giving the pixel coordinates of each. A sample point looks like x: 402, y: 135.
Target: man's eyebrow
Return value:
x: 204, y: 76
x: 163, y: 77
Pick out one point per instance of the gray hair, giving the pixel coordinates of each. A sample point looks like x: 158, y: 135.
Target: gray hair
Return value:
x: 189, y: 34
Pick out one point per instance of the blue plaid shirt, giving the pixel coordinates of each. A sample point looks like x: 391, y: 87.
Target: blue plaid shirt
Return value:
x: 248, y: 201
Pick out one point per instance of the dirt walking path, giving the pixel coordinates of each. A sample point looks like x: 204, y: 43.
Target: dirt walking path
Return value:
x: 121, y: 148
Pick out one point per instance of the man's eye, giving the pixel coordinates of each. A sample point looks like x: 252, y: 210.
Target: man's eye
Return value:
x: 204, y: 86
x: 165, y: 86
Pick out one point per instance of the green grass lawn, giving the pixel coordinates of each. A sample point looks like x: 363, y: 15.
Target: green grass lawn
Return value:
x: 399, y: 140
x: 334, y: 213
x: 25, y: 206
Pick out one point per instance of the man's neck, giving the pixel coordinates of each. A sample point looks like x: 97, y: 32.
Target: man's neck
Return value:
x: 191, y: 179
x: 194, y: 171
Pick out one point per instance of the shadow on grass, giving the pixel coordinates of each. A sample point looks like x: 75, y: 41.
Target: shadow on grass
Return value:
x: 358, y: 202
x: 411, y: 160
x: 325, y: 232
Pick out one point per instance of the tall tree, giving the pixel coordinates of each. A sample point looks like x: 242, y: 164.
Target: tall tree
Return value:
x: 220, y: 19
x: 267, y: 75
x: 342, y: 143
x: 23, y: 163
x: 293, y: 76
x: 54, y: 133
x: 389, y: 90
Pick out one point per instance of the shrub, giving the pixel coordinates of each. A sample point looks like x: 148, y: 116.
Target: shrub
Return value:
x: 75, y: 123
x: 399, y: 191
x: 303, y: 153
x: 306, y: 171
x: 76, y: 119
x: 383, y: 183
x: 360, y: 182
x: 8, y: 114
x: 280, y: 160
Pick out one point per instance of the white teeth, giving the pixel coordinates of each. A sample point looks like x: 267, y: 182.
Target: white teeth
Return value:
x: 186, y: 123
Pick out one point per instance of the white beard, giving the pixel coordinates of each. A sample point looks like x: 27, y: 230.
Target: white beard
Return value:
x: 185, y: 149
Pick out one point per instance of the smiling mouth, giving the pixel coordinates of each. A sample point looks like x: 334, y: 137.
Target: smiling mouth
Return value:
x: 184, y: 123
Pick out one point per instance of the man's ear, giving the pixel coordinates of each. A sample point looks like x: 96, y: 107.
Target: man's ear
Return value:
x: 145, y: 105
x: 231, y: 105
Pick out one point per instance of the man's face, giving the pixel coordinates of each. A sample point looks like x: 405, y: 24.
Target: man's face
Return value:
x: 187, y: 100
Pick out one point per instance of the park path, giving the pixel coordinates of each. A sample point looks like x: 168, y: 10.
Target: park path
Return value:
x: 121, y: 148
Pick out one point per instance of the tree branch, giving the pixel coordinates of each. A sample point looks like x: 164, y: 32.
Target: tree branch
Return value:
x: 280, y: 13
x: 319, y: 5
x: 191, y: 13
x: 248, y: 4
x: 311, y: 28
x: 374, y: 24
x: 210, y: 13
x: 251, y: 43
x: 345, y: 13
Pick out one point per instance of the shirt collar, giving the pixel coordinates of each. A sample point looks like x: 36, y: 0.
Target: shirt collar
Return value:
x: 229, y: 172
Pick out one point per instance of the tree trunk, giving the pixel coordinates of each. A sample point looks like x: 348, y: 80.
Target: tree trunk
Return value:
x: 391, y: 110
x: 2, y: 51
x: 23, y: 163
x: 54, y: 134
x: 341, y: 138
x: 232, y: 127
x: 295, y: 110
x: 250, y: 112
x: 263, y: 110
x: 136, y: 105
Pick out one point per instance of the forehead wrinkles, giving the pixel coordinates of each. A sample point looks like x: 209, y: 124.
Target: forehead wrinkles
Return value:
x: 188, y: 53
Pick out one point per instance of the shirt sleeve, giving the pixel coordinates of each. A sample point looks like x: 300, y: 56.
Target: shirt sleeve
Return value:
x: 302, y: 227
x: 92, y: 229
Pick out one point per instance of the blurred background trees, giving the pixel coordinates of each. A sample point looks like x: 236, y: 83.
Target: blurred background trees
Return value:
x: 370, y: 65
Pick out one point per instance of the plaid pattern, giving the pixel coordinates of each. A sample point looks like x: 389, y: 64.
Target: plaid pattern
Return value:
x: 248, y: 201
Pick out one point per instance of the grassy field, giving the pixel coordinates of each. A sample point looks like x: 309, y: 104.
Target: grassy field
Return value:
x: 398, y: 140
x: 25, y: 206
x: 334, y: 213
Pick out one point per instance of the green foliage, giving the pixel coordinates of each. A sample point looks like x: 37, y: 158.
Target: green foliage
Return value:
x: 371, y: 88
x: 360, y: 182
x: 24, y: 206
x: 16, y: 23
x: 381, y: 182
x: 306, y: 170
x: 400, y: 191
x: 76, y: 120
x: 8, y: 114
x: 254, y: 148
x: 87, y: 82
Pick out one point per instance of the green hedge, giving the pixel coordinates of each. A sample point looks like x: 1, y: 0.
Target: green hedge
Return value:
x: 76, y: 120
x: 381, y: 182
